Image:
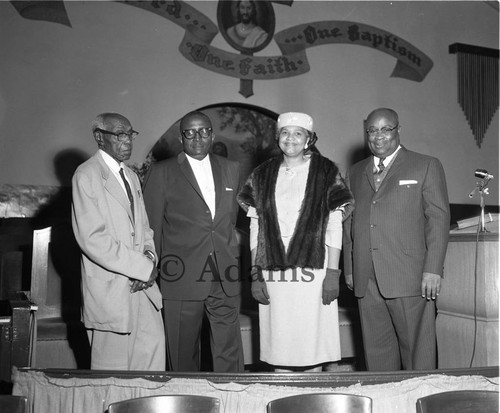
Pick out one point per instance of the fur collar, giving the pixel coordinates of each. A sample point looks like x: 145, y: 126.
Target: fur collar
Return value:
x: 325, y: 191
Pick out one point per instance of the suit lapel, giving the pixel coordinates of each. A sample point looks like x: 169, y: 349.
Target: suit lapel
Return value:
x: 369, y: 172
x: 217, y: 176
x: 188, y: 173
x: 133, y: 189
x: 114, y: 188
x: 393, y: 171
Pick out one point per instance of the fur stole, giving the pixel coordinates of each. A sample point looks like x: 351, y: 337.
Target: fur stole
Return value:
x: 325, y: 191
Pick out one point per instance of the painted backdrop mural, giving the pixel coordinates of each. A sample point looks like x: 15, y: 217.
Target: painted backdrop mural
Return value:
x: 234, y: 21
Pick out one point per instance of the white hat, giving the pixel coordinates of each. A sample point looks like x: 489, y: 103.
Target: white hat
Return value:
x: 295, y: 119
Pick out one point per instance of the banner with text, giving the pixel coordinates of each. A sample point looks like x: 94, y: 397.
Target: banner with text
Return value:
x: 412, y: 64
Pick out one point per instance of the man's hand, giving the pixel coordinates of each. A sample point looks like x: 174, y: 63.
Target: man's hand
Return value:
x: 331, y: 285
x: 136, y: 285
x: 348, y: 281
x: 259, y: 288
x: 152, y: 277
x: 431, y: 285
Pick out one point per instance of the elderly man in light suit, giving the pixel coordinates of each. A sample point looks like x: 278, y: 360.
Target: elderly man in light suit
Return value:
x: 191, y: 204
x: 395, y: 245
x: 121, y: 301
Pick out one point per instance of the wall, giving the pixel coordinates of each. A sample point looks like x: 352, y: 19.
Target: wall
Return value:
x: 54, y: 79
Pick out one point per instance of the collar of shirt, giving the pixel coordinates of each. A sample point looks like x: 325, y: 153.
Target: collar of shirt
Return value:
x: 386, y: 160
x: 203, y: 173
x: 114, y: 166
x: 195, y: 163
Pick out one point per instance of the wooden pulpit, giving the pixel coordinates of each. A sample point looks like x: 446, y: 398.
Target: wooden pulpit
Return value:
x: 467, y: 307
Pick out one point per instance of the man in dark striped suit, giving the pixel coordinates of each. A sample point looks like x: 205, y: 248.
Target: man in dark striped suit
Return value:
x: 395, y: 245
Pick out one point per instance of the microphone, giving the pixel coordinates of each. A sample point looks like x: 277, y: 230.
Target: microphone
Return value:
x: 483, y: 174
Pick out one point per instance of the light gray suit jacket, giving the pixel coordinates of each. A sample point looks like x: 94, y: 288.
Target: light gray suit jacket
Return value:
x: 401, y: 230
x: 112, y: 245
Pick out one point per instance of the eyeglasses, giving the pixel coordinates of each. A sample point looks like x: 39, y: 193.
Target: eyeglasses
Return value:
x: 385, y: 131
x: 122, y: 136
x: 191, y: 133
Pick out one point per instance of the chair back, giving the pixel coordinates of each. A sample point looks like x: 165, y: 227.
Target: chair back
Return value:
x: 55, y: 273
x: 321, y: 403
x: 461, y: 401
x: 171, y: 403
x: 60, y: 339
x: 15, y: 259
x: 13, y: 404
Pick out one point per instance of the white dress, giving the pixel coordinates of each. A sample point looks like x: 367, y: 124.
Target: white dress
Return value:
x: 296, y: 329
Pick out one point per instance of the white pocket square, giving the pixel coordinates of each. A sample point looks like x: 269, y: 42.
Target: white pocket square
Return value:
x: 407, y: 182
x: 229, y: 189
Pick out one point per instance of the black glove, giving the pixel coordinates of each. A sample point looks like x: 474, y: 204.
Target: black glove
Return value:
x: 259, y: 288
x: 331, y: 285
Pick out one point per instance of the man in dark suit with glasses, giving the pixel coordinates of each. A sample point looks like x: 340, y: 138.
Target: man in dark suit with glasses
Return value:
x: 191, y: 204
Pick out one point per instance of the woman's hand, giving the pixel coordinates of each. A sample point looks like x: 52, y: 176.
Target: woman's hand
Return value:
x: 349, y: 281
x: 331, y: 285
x: 259, y: 288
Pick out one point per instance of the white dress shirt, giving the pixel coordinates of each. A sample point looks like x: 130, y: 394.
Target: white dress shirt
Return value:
x: 203, y: 173
x: 387, y: 160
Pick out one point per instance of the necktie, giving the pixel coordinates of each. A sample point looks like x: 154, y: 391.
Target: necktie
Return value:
x: 129, y: 191
x: 381, y: 166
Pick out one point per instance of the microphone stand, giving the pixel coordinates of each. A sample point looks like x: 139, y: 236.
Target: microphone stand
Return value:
x: 481, y: 188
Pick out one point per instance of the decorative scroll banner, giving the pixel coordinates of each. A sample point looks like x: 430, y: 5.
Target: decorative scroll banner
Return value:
x: 411, y: 64
x: 200, y: 31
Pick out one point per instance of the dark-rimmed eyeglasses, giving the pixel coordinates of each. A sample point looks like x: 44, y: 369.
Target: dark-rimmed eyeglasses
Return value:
x: 120, y: 136
x: 191, y: 133
x: 385, y: 131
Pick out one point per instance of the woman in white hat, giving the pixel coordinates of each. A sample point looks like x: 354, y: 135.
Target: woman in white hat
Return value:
x: 297, y: 202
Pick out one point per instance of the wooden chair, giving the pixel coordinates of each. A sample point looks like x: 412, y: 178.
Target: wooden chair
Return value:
x: 60, y: 337
x: 461, y: 401
x: 321, y: 403
x: 13, y: 404
x: 173, y: 403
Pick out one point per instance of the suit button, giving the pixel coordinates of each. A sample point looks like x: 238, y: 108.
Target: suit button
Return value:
x: 133, y: 234
x: 374, y: 202
x: 372, y: 226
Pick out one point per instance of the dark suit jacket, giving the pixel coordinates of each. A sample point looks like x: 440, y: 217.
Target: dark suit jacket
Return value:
x: 188, y: 241
x: 403, y: 228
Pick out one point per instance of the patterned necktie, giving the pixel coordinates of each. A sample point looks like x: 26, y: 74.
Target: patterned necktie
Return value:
x: 381, y: 166
x: 129, y: 191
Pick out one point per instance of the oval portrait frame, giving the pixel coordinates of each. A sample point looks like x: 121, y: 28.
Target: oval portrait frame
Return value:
x: 227, y: 17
